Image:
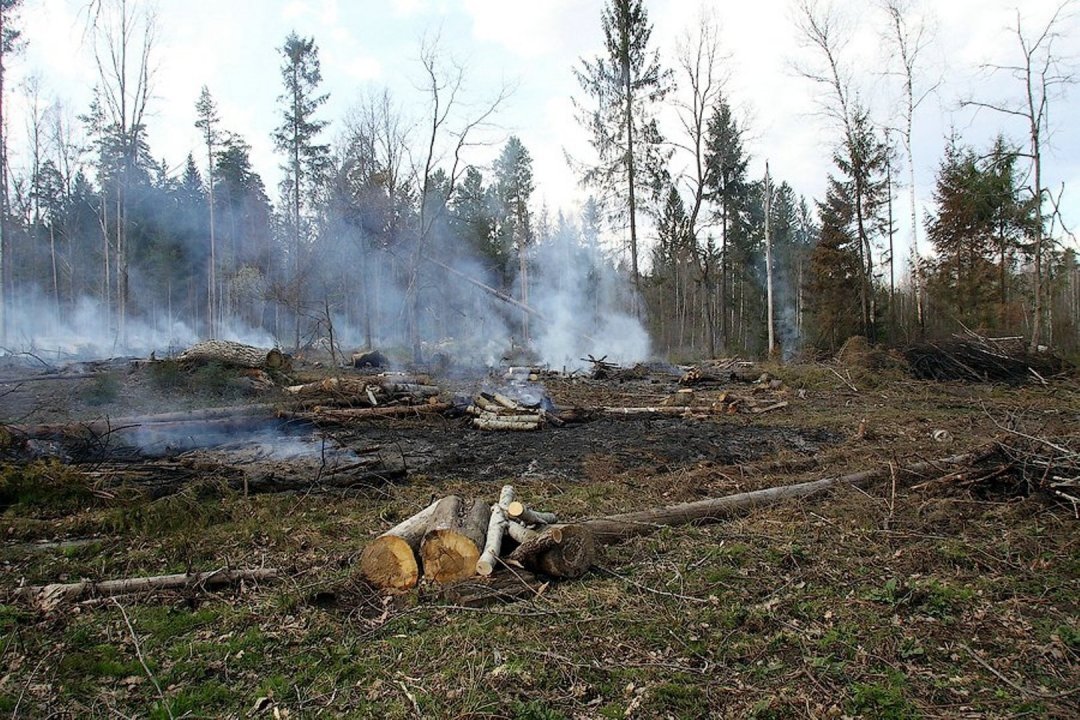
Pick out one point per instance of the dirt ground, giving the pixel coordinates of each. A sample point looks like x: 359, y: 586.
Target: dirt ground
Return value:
x: 940, y: 596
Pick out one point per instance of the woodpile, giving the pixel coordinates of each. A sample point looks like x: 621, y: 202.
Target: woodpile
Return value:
x: 454, y: 539
x: 974, y: 358
x: 345, y: 399
x: 236, y: 354
x: 495, y: 411
x: 519, y: 537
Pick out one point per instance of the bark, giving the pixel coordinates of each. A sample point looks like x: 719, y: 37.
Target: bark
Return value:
x: 481, y: 591
x: 561, y: 551
x: 520, y: 512
x: 454, y: 540
x: 323, y: 415
x: 48, y: 597
x: 234, y: 353
x: 493, y: 544
x: 389, y: 561
x: 615, y: 528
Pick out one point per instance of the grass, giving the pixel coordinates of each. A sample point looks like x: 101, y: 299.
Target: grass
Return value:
x: 860, y: 604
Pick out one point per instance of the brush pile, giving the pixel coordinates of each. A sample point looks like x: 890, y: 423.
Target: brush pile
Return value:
x: 344, y: 399
x: 974, y: 358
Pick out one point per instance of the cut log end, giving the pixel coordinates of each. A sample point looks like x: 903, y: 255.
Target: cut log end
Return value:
x: 449, y: 555
x: 389, y: 562
x: 561, y: 551
x: 572, y: 555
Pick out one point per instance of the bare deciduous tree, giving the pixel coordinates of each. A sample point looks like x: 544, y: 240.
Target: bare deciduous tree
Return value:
x: 909, y: 36
x: 451, y: 128
x: 124, y: 34
x: 1043, y: 75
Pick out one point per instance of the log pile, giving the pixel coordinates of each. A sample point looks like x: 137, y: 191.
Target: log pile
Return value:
x: 454, y: 539
x: 721, y: 372
x: 235, y: 354
x: 974, y: 358
x: 346, y: 399
x: 495, y: 411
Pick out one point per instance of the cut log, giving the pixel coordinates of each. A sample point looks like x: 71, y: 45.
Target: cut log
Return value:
x: 454, y: 540
x: 616, y: 528
x: 505, y: 401
x: 344, y: 415
x: 234, y: 353
x: 506, y: 424
x: 389, y: 561
x: 493, y: 544
x: 520, y: 512
x: 352, y: 387
x: 48, y: 597
x: 506, y: 496
x: 561, y: 551
x: 369, y: 358
x: 100, y: 427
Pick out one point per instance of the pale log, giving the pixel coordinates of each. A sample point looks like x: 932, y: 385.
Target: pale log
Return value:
x: 389, y: 561
x: 519, y: 532
x: 505, y: 401
x: 484, y: 423
x: 519, y: 511
x: 454, y: 540
x: 48, y: 597
x: 562, y: 551
x: 346, y: 414
x: 506, y: 496
x: 493, y: 545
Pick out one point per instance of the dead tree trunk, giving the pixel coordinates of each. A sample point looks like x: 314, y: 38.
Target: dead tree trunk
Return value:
x: 615, y: 528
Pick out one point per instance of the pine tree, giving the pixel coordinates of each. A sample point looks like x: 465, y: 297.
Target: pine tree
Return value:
x: 207, y: 121
x: 725, y: 179
x: 625, y: 85
x: 307, y: 161
x: 513, y: 189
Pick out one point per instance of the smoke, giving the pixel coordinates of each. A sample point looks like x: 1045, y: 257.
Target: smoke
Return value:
x: 88, y: 331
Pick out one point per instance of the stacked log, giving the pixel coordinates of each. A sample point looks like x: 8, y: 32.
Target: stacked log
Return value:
x: 455, y: 539
x: 495, y: 411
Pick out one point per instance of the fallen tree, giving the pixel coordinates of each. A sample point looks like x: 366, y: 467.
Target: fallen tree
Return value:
x: 236, y: 354
x: 616, y: 528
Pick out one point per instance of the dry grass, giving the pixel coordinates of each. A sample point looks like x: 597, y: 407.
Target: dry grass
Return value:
x: 941, y: 601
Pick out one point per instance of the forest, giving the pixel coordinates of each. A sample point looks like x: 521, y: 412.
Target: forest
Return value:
x: 392, y: 237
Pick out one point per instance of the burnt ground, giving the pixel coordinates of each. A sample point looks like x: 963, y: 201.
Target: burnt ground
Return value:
x: 949, y: 595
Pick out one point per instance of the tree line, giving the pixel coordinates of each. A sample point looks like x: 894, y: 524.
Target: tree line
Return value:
x: 393, y: 235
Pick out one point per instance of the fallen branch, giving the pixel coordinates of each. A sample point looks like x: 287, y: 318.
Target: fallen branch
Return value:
x: 48, y: 597
x: 615, y: 528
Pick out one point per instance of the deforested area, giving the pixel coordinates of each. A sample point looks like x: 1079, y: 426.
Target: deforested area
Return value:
x: 620, y: 359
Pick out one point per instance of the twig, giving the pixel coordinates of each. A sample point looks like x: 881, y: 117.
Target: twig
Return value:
x: 646, y: 588
x: 844, y: 380
x: 1015, y: 686
x: 142, y: 660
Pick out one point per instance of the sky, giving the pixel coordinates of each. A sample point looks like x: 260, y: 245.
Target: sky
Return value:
x: 232, y: 47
